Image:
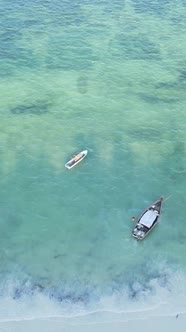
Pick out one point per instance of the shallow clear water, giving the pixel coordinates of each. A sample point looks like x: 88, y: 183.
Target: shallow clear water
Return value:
x: 109, y: 77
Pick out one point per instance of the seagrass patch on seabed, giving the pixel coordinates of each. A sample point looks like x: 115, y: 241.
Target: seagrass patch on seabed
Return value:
x: 30, y: 109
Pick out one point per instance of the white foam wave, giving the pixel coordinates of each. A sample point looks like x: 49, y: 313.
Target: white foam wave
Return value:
x: 162, y: 300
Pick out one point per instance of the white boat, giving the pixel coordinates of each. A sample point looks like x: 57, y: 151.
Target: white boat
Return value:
x: 147, y: 220
x: 76, y: 159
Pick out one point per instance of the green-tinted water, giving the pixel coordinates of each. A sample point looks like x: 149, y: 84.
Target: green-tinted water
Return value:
x: 109, y: 77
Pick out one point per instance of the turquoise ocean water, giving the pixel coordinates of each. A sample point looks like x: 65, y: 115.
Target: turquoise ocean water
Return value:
x: 110, y: 77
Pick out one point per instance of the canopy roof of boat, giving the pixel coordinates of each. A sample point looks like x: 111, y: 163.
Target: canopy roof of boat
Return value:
x: 148, y: 218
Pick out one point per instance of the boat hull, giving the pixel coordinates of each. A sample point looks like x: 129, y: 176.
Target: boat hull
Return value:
x: 76, y: 159
x: 147, y: 220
